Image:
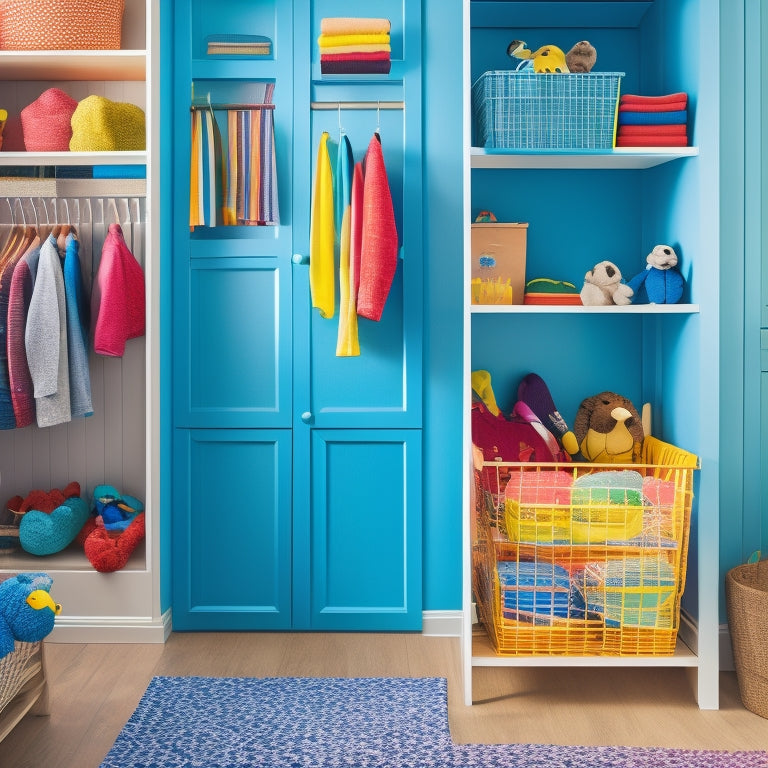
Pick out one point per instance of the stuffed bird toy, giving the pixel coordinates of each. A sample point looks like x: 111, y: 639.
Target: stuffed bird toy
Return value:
x: 547, y: 59
x: 27, y: 610
x: 582, y: 57
x: 609, y: 429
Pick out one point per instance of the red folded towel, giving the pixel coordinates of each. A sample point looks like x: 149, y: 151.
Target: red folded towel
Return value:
x: 652, y: 141
x: 670, y: 106
x: 631, y: 98
x: 361, y: 56
x: 642, y: 130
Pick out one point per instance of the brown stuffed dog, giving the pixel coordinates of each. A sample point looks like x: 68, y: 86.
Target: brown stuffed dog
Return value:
x: 609, y: 429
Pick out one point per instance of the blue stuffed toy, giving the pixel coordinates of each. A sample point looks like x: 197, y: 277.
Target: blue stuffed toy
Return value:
x: 662, y: 280
x: 27, y: 611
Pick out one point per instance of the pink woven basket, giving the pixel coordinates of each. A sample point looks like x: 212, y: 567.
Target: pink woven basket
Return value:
x: 62, y: 25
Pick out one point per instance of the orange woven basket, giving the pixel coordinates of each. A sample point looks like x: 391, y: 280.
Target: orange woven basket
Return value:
x: 62, y: 25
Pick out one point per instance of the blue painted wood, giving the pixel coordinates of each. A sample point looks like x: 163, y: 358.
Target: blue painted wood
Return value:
x: 365, y: 513
x: 232, y: 529
x: 253, y: 363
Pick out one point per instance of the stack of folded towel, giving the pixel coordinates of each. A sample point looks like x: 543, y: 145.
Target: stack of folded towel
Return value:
x: 350, y: 46
x: 653, y: 121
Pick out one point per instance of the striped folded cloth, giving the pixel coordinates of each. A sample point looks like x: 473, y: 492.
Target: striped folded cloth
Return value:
x: 353, y: 26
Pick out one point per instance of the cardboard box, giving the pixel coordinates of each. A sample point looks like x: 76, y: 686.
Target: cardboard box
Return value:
x: 498, y: 263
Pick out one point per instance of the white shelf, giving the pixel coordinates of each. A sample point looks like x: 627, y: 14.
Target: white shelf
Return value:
x: 631, y: 309
x: 623, y: 158
x: 484, y: 655
x: 73, y: 158
x: 73, y: 65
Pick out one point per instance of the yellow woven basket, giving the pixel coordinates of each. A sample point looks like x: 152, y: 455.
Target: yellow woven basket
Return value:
x: 63, y: 25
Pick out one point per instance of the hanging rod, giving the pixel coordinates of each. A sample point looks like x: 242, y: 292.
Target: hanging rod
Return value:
x: 357, y: 105
x: 207, y: 105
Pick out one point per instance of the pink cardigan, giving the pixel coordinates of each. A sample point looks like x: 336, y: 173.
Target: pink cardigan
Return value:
x: 119, y: 296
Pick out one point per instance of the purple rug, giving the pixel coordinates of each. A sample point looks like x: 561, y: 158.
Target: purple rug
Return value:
x: 343, y: 723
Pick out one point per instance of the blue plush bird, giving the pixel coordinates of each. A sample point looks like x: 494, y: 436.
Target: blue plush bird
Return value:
x: 27, y: 610
x: 661, y: 279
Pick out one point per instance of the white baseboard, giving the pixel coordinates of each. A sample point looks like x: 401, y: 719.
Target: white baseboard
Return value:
x: 441, y: 623
x: 118, y: 629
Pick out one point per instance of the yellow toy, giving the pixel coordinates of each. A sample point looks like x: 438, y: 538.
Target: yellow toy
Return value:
x: 548, y: 59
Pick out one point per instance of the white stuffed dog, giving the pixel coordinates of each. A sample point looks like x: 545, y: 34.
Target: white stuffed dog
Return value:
x: 603, y: 287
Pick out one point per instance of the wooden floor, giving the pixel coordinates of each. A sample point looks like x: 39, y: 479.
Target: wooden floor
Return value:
x: 95, y: 688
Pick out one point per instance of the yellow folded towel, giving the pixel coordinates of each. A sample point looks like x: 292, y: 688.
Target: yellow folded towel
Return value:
x: 347, y: 26
x: 329, y: 41
x: 363, y: 48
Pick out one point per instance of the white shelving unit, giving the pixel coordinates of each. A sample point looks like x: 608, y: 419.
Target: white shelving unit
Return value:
x: 119, y: 444
x: 697, y: 642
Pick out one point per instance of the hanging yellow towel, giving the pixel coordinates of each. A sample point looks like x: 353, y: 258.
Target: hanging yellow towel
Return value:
x: 347, y: 343
x: 322, y: 235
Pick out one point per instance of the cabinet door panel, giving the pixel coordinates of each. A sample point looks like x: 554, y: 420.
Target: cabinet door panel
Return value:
x: 232, y: 529
x: 239, y: 349
x: 365, y: 547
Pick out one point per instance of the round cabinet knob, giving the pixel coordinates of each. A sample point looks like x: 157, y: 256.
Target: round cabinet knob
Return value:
x: 300, y: 258
x: 306, y: 417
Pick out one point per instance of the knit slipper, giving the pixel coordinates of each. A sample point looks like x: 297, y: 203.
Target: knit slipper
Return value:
x: 41, y: 533
x: 107, y: 554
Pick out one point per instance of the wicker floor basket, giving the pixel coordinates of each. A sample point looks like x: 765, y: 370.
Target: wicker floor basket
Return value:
x: 746, y: 594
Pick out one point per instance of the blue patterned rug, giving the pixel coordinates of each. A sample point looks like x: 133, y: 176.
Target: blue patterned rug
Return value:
x: 205, y: 722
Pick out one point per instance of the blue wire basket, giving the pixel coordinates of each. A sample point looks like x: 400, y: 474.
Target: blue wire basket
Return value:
x: 525, y: 110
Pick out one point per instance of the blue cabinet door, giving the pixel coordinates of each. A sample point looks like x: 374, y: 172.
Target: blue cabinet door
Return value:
x: 232, y: 529
x: 360, y: 566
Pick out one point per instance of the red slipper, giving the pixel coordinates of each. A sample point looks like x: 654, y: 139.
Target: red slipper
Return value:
x: 107, y: 554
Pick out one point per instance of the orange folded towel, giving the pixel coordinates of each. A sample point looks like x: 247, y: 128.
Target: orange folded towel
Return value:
x: 352, y: 26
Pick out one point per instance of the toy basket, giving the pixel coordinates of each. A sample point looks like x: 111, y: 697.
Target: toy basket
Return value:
x: 525, y: 110
x: 67, y: 25
x: 578, y: 566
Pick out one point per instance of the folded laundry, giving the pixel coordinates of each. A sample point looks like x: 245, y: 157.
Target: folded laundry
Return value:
x: 359, y: 48
x: 672, y: 106
x: 355, y: 67
x: 652, y: 141
x: 376, y: 56
x: 328, y: 41
x: 350, y: 26
x: 644, y: 130
x: 653, y: 118
x: 631, y: 98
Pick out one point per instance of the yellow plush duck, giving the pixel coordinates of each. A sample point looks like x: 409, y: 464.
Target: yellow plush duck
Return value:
x: 547, y: 59
x: 609, y: 429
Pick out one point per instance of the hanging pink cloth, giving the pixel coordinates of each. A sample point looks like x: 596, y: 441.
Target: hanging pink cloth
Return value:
x: 378, y: 258
x: 119, y: 296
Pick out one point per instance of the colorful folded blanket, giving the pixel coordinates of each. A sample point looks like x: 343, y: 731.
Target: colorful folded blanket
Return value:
x: 672, y: 106
x: 377, y: 56
x: 644, y: 130
x: 652, y: 141
x: 353, y: 26
x: 653, y: 118
x: 360, y: 48
x: 355, y: 67
x: 631, y: 98
x: 329, y: 41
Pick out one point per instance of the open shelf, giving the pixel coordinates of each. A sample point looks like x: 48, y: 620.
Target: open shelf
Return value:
x: 623, y: 158
x: 73, y: 158
x: 73, y: 65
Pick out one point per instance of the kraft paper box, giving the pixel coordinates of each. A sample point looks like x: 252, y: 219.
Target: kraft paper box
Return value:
x: 498, y: 263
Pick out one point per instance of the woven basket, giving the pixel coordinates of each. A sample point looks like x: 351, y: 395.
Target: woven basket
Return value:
x: 746, y: 596
x: 64, y: 25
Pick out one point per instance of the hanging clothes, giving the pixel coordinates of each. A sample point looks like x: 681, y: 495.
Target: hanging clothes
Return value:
x: 378, y: 257
x: 15, y: 249
x: 322, y: 235
x: 119, y: 296
x: 347, y: 343
x: 19, y: 299
x: 207, y: 171
x: 77, y: 330
x: 46, y: 339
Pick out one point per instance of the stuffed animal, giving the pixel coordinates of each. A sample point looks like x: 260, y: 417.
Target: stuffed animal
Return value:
x: 548, y: 59
x: 603, y: 287
x: 581, y: 57
x: 27, y: 610
x: 609, y: 429
x: 662, y: 280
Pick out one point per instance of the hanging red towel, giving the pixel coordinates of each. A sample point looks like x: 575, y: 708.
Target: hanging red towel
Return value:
x: 378, y: 258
